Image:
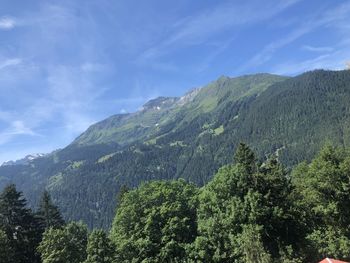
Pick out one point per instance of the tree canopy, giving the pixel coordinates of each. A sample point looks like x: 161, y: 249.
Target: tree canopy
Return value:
x: 99, y: 248
x: 249, y: 212
x: 64, y: 245
x: 156, y: 222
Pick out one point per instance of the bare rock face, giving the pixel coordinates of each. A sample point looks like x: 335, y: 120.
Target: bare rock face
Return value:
x: 188, y: 97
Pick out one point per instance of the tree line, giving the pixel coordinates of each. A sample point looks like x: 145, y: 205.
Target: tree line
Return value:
x: 249, y: 212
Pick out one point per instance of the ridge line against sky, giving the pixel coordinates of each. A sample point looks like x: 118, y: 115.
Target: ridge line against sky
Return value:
x: 67, y: 64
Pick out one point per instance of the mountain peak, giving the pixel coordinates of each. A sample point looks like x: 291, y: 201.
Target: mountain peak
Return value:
x: 159, y: 103
x: 189, y: 96
x: 24, y: 161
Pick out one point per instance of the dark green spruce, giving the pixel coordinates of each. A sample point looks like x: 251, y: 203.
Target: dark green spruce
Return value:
x: 48, y: 213
x: 20, y: 225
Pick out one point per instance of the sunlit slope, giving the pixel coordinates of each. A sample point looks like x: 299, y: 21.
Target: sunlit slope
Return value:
x: 190, y: 137
x: 156, y: 114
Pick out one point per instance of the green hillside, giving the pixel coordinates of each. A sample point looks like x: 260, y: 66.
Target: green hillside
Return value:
x: 190, y: 137
x: 158, y: 113
x: 296, y: 116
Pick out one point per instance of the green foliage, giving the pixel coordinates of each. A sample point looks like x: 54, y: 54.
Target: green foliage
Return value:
x: 245, y: 157
x: 241, y: 202
x: 252, y: 246
x: 99, y: 248
x: 48, y: 213
x: 6, y: 252
x: 21, y: 227
x: 64, y: 245
x: 156, y: 223
x: 122, y: 191
x: 322, y: 193
x: 330, y: 241
x: 250, y: 212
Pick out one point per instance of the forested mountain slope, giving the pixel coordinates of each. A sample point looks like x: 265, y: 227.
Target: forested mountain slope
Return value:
x: 190, y: 137
x: 156, y: 115
x: 296, y: 116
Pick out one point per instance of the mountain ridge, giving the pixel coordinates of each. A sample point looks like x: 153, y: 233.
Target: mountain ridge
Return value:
x: 153, y: 112
x: 25, y: 160
x: 191, y: 141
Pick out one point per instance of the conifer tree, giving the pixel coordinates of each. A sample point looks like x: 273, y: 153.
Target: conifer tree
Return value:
x: 48, y: 213
x: 245, y: 156
x: 122, y: 191
x: 20, y: 225
x: 241, y: 195
x: 6, y: 252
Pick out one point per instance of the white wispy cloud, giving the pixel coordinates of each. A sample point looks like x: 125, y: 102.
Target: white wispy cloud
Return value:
x: 7, y: 23
x: 65, y: 88
x: 10, y: 62
x: 17, y: 127
x: 317, y: 49
x: 336, y: 17
x: 220, y: 48
x: 72, y: 92
x: 92, y: 67
x: 268, y: 51
x: 198, y: 28
x: 69, y: 94
x: 335, y: 60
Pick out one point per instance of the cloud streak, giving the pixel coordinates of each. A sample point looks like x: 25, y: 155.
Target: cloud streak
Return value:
x: 10, y: 62
x: 16, y: 128
x: 336, y: 17
x: 332, y: 61
x: 7, y: 23
x: 317, y: 49
x: 197, y: 29
x: 49, y: 89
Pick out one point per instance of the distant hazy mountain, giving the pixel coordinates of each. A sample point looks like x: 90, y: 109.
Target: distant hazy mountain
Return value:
x: 190, y: 137
x: 25, y: 160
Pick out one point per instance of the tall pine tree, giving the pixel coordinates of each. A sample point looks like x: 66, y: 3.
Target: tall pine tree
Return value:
x: 20, y: 225
x: 244, y: 213
x: 245, y: 157
x: 48, y: 213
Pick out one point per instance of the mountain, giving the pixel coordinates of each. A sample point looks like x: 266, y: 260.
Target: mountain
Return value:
x: 128, y: 128
x: 190, y: 137
x: 25, y: 160
x: 157, y: 113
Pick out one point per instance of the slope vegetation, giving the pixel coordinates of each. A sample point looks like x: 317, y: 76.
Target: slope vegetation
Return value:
x: 190, y: 137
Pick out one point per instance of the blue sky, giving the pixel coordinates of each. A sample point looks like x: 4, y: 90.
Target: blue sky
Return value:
x: 67, y: 64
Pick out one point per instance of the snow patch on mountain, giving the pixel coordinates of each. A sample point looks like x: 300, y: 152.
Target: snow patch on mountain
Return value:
x: 24, y: 161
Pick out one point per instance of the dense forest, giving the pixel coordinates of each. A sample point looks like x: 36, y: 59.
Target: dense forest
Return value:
x: 169, y: 138
x: 251, y: 211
